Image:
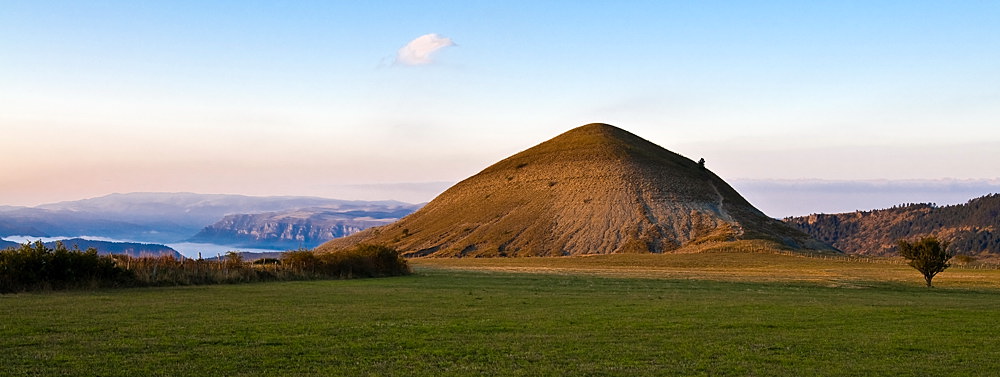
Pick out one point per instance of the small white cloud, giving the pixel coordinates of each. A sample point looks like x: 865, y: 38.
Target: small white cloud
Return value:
x: 419, y: 50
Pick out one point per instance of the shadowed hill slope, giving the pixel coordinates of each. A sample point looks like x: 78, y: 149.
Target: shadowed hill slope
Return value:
x: 596, y: 189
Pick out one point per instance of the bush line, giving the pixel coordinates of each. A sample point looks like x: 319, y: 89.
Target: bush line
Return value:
x: 34, y: 267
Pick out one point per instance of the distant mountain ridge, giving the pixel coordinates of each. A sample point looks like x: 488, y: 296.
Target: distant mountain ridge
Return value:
x: 305, y: 227
x: 799, y: 197
x: 134, y: 249
x: 972, y: 228
x: 154, y: 217
x: 4, y: 244
x: 38, y: 222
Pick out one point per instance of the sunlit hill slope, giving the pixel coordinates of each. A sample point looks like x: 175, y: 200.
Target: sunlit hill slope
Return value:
x: 596, y: 189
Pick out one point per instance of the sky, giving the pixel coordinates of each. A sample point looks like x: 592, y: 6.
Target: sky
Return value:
x: 398, y: 100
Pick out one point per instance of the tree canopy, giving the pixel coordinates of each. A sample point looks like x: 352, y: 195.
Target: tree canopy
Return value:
x: 927, y: 255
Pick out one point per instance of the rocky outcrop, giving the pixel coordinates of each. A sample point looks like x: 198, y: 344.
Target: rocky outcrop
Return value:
x: 596, y: 189
x: 156, y: 217
x: 300, y: 228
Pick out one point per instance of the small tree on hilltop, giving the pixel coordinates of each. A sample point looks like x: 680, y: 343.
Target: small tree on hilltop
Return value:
x: 927, y: 255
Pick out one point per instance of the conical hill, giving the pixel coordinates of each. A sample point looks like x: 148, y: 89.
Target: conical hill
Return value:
x: 595, y: 189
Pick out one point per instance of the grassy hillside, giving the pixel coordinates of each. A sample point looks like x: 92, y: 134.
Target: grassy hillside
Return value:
x: 595, y: 189
x: 453, y: 321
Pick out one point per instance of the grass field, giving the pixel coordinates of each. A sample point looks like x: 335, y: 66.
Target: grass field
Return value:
x: 833, y: 271
x: 679, y: 315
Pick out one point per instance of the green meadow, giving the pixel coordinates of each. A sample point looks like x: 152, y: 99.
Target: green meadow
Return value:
x: 570, y: 316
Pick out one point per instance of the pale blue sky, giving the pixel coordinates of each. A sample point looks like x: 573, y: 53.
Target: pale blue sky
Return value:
x: 307, y: 98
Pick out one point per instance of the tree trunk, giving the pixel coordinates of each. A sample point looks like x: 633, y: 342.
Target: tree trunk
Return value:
x: 928, y: 278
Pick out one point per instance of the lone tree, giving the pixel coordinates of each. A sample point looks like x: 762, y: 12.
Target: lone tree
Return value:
x: 928, y: 255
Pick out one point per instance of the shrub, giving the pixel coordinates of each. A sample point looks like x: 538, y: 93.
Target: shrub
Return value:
x: 361, y: 261
x: 964, y: 259
x: 234, y: 259
x: 364, y: 260
x: 167, y: 270
x: 266, y: 261
x: 301, y: 261
x: 37, y: 267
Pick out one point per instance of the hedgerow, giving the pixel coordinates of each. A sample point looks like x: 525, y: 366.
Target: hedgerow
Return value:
x: 38, y: 267
x: 32, y: 267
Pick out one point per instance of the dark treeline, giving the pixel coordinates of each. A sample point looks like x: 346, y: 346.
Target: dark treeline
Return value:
x: 36, y: 266
x: 970, y: 228
x: 32, y: 267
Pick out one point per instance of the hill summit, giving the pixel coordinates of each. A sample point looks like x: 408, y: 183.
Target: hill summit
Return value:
x: 595, y: 189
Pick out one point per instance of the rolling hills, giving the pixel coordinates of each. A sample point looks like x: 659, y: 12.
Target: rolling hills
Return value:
x: 177, y: 217
x: 971, y: 228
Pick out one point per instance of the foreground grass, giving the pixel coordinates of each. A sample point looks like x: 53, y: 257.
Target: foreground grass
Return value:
x: 454, y: 322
